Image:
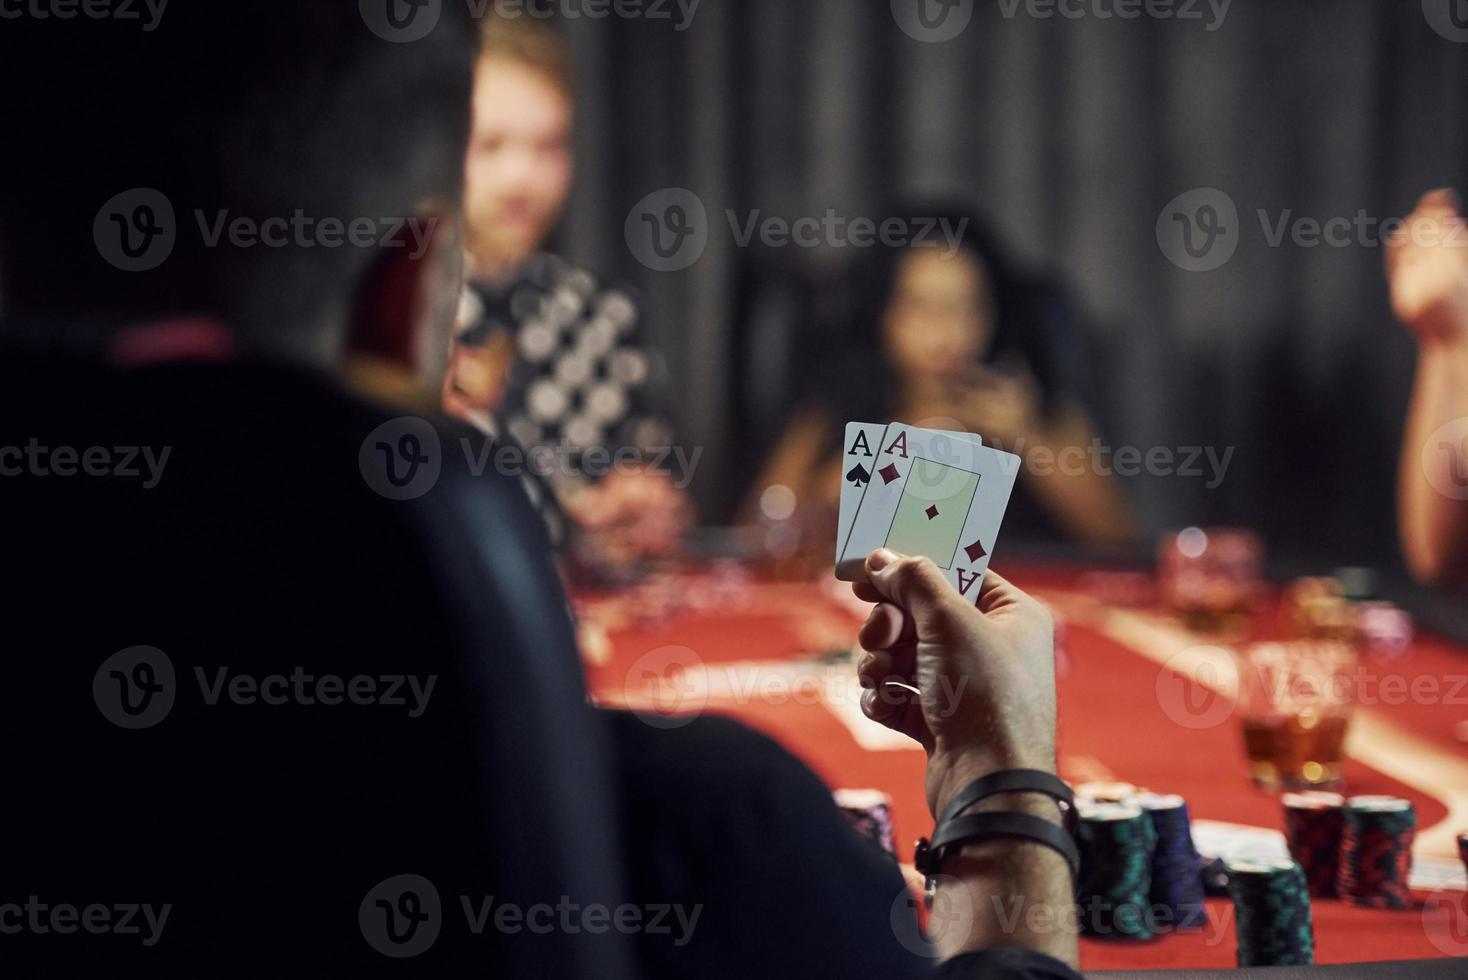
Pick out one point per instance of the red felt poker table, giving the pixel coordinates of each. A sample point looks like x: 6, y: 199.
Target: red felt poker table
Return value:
x: 1137, y: 704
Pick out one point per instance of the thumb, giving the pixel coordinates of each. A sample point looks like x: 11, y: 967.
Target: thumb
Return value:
x: 913, y: 583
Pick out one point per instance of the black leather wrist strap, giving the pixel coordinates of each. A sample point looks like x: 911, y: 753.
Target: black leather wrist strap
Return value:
x: 1010, y: 781
x: 954, y: 829
x: 988, y: 826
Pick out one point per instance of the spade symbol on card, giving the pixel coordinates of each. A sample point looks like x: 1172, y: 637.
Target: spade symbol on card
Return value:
x: 858, y: 476
x: 975, y: 551
x: 889, y: 473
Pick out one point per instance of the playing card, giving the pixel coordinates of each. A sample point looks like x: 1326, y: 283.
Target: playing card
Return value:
x: 932, y: 495
x: 858, y: 450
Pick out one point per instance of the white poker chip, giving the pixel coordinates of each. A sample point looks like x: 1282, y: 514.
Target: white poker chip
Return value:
x: 537, y: 341
x: 606, y: 402
x: 629, y: 366
x: 574, y: 370
x: 582, y: 432
x: 547, y: 401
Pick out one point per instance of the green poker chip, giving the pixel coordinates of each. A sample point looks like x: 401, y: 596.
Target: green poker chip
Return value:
x: 1117, y: 842
x: 1271, y: 913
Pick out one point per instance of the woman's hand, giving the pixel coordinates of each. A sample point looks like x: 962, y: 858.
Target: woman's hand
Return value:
x: 1427, y: 267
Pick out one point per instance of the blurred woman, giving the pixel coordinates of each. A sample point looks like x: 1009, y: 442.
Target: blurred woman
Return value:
x: 952, y: 339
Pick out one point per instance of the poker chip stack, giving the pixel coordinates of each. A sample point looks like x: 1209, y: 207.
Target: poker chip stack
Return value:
x: 1103, y: 792
x: 869, y: 812
x: 1177, y: 884
x: 1271, y: 913
x: 1376, y: 851
x: 1116, y: 841
x: 1313, y: 827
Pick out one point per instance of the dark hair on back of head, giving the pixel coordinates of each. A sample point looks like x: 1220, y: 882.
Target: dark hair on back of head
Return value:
x: 247, y: 109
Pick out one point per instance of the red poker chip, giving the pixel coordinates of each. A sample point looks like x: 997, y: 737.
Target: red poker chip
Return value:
x: 1314, y: 824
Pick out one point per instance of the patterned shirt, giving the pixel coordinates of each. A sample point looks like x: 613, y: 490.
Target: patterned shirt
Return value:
x: 581, y: 378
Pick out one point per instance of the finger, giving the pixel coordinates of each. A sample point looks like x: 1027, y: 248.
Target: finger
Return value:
x: 886, y: 705
x: 885, y: 628
x: 865, y: 591
x: 997, y: 586
x: 996, y: 592
x: 874, y: 668
x: 914, y: 583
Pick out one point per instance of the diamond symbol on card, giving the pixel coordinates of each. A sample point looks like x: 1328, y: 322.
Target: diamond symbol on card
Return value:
x: 932, y: 511
x: 889, y: 473
x: 975, y: 551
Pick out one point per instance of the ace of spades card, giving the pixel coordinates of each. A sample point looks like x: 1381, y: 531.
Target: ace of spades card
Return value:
x: 858, y: 452
x: 942, y: 498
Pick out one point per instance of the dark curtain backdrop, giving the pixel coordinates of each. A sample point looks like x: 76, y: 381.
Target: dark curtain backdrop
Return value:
x: 1070, y: 135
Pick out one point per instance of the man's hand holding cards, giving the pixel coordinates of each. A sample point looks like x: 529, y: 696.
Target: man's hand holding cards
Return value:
x: 924, y: 492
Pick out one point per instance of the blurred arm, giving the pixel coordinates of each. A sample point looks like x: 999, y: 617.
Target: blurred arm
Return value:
x: 1434, y: 526
x: 1427, y: 269
x: 794, y: 463
x: 1085, y: 502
